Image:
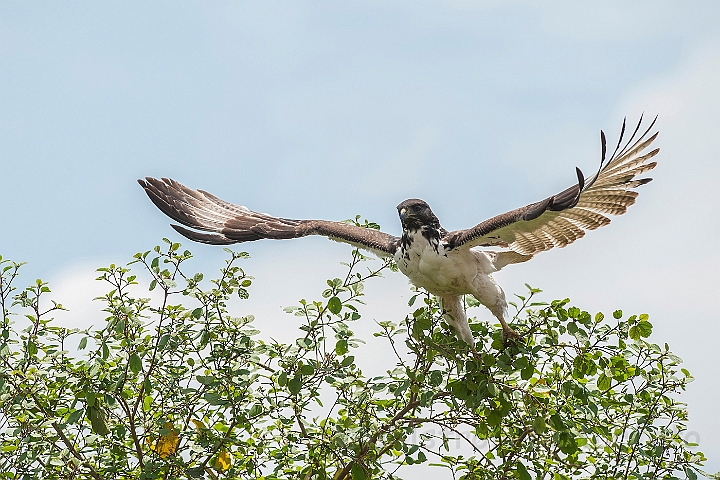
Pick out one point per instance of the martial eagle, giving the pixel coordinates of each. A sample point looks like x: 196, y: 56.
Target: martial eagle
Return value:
x: 447, y: 264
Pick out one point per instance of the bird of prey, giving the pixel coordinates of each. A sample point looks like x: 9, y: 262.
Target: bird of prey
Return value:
x: 446, y: 264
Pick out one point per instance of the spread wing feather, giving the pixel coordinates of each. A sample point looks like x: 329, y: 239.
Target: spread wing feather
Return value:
x: 229, y: 223
x: 561, y: 219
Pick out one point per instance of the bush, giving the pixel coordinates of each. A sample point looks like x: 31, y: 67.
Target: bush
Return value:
x: 185, y: 389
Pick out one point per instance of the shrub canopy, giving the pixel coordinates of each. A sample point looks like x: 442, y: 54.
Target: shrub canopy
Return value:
x: 185, y: 388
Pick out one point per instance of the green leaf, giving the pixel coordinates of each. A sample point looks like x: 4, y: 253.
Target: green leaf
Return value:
x: 436, y: 378
x: 205, y: 380
x: 423, y: 322
x: 566, y: 442
x: 644, y: 328
x: 603, y: 382
x: 634, y: 332
x: 557, y: 422
x: 120, y: 326
x: 358, y: 473
x: 539, y: 425
x: 523, y: 474
x: 135, y: 363
x: 255, y: 410
x: 494, y: 418
x: 98, y: 420
x: 163, y: 341
x: 75, y: 416
x: 295, y: 384
x: 341, y: 347
x: 347, y: 361
x: 334, y: 305
x: 493, y: 390
x: 196, y: 472
x: 520, y: 363
x: 617, y: 314
x: 214, y: 399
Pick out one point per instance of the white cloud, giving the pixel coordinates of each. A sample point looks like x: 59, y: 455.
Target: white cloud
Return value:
x: 75, y: 288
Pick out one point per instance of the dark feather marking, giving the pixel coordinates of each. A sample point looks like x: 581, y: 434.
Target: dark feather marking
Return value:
x: 581, y: 178
x: 622, y: 132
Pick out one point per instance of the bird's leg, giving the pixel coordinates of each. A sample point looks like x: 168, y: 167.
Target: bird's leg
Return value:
x: 499, y: 309
x: 508, y: 334
x: 489, y: 293
x: 456, y: 318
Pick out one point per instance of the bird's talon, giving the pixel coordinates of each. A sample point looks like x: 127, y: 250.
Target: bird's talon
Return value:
x: 510, y: 336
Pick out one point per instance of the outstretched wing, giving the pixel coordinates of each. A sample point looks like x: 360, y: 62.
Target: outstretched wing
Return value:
x: 229, y: 223
x: 561, y: 219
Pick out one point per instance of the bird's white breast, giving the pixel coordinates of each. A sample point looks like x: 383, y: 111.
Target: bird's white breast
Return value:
x: 429, y: 265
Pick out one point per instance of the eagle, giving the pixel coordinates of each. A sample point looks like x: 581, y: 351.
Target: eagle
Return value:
x: 447, y: 264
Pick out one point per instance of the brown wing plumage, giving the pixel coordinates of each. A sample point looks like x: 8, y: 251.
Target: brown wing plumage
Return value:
x: 561, y: 219
x: 229, y: 223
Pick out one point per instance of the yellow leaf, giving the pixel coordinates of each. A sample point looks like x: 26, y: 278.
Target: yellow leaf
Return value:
x: 166, y: 445
x: 222, y: 462
x: 199, y: 425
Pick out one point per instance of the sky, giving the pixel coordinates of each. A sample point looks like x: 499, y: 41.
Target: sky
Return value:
x: 328, y: 110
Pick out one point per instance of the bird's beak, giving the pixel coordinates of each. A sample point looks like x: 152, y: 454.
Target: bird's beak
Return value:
x: 403, y: 214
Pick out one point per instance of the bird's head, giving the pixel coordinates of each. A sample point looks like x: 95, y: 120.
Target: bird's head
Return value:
x: 415, y: 213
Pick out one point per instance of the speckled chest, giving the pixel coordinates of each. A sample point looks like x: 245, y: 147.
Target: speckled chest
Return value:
x: 424, y: 259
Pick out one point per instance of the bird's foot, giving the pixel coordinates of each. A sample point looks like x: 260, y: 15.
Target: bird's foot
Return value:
x: 510, y: 336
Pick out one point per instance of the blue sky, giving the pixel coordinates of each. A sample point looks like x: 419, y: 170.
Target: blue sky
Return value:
x: 327, y: 110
